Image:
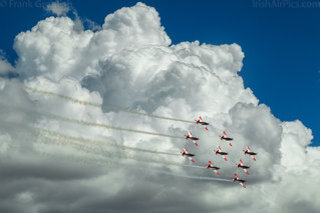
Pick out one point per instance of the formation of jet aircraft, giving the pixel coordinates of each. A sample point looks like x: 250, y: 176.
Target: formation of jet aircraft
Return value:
x: 210, y: 166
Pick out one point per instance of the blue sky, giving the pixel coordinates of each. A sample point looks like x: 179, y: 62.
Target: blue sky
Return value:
x: 281, y: 45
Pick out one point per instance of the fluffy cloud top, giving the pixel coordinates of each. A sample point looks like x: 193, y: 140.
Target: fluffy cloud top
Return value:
x: 58, y: 8
x: 5, y: 66
x: 130, y: 63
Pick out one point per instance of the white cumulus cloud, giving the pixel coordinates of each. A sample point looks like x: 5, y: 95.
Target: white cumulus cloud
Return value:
x: 131, y: 64
x: 58, y: 8
x: 5, y: 66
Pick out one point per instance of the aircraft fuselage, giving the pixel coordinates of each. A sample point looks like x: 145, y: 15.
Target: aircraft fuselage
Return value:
x: 226, y: 138
x: 202, y: 123
x: 251, y: 153
x: 244, y: 167
x: 222, y: 153
x: 213, y: 167
x: 193, y: 138
x: 239, y: 180
x: 187, y: 154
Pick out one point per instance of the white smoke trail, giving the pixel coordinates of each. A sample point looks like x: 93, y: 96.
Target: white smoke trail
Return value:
x: 91, y: 150
x: 10, y: 147
x: 185, y: 176
x: 102, y: 143
x: 86, y: 103
x: 98, y: 151
x: 70, y: 141
x: 103, y: 161
x: 86, y: 123
x: 200, y: 167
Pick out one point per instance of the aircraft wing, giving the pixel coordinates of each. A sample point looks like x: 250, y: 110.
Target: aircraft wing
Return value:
x: 224, y: 157
x: 185, y: 150
x: 191, y: 159
x: 241, y: 163
x: 242, y: 185
x: 246, y: 171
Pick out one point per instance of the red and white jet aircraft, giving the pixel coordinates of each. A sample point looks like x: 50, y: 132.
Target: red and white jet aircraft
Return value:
x: 200, y: 121
x: 186, y: 153
x: 223, y: 154
x: 224, y: 137
x: 249, y: 152
x: 215, y: 169
x: 240, y: 181
x: 240, y: 165
x: 189, y: 136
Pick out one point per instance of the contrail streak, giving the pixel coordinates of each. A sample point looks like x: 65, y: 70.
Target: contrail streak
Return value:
x: 102, y: 143
x: 200, y: 167
x: 202, y: 178
x: 86, y: 123
x: 76, y: 146
x: 88, y: 150
x: 98, y: 151
x: 73, y: 100
x: 77, y: 101
x: 104, y: 161
x: 186, y: 176
x: 76, y: 159
x: 153, y: 116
